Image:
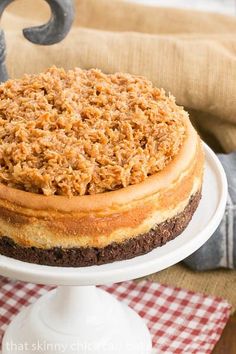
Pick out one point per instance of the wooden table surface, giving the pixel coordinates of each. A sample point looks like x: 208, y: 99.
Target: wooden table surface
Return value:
x: 227, y: 343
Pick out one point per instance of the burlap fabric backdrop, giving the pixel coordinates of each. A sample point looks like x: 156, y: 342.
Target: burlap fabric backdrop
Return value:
x: 191, y: 54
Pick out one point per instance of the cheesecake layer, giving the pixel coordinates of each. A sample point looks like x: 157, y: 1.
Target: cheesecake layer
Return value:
x: 97, y: 221
x: 80, y: 257
x: 101, y: 228
x: 93, y: 167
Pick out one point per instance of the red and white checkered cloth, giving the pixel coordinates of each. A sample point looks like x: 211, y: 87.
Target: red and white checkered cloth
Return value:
x: 180, y: 321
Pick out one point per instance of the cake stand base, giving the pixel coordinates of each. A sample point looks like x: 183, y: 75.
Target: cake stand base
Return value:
x: 75, y: 319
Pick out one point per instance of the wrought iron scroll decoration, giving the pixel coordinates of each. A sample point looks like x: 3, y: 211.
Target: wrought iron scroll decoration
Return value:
x: 54, y: 31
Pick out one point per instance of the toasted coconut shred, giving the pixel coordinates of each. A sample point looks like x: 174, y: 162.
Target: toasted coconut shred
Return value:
x: 83, y: 132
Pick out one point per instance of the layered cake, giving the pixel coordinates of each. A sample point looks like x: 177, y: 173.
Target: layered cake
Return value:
x: 94, y: 168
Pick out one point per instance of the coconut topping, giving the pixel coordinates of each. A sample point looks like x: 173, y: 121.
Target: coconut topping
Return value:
x: 83, y: 132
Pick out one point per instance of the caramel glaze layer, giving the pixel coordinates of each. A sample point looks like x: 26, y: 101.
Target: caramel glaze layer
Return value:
x: 98, y: 220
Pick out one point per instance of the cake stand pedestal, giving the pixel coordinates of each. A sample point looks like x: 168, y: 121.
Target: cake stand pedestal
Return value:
x: 79, y: 318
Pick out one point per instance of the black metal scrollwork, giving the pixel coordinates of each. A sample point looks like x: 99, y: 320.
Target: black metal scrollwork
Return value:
x: 55, y: 30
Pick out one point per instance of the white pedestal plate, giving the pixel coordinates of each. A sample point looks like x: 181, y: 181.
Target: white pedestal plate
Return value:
x: 80, y: 318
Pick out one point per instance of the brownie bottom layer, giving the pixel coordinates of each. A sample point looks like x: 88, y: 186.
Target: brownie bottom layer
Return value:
x: 81, y: 257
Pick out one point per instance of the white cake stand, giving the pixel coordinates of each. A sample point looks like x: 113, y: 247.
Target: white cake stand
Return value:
x: 80, y: 318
